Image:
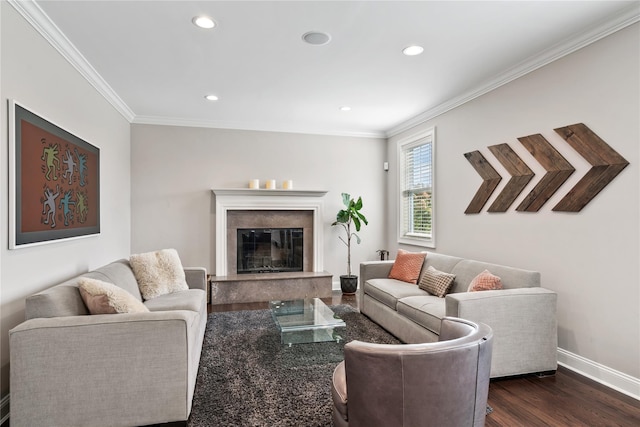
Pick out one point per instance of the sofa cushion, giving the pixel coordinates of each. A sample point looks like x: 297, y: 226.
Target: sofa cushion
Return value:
x: 440, y: 262
x: 511, y: 278
x: 60, y: 300
x: 436, y: 282
x: 389, y: 291
x: 106, y: 298
x: 427, y: 311
x: 407, y: 266
x: 120, y: 274
x: 485, y: 281
x: 158, y: 273
x: 191, y: 299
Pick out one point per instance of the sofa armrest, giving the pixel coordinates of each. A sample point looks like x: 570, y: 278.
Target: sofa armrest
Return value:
x: 524, y: 324
x: 373, y: 270
x: 196, y: 277
x: 83, y: 370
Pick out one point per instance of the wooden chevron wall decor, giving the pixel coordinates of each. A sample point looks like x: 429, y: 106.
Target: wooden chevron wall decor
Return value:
x: 557, y: 167
x: 490, y: 177
x: 605, y: 162
x: 520, y: 176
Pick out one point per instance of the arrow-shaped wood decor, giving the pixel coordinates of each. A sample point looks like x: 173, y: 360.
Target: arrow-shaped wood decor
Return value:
x: 520, y: 176
x: 605, y: 161
x: 491, y: 180
x: 557, y: 167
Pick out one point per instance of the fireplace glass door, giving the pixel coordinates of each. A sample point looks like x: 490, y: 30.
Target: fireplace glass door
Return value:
x: 269, y: 250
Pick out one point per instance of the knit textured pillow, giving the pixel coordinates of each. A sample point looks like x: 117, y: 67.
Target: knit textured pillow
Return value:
x: 158, y: 273
x: 106, y: 298
x: 407, y: 266
x: 436, y: 282
x: 485, y: 281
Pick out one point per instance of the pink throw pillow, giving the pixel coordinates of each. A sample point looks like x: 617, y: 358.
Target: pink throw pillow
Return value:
x: 485, y: 281
x: 407, y: 266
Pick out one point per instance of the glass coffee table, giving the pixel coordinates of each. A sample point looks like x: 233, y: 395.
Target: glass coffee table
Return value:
x: 306, y: 321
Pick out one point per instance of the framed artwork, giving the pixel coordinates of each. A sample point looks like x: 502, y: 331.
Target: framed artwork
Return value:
x: 54, y: 182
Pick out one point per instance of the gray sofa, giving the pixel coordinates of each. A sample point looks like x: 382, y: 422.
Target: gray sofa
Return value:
x: 522, y: 315
x: 69, y: 368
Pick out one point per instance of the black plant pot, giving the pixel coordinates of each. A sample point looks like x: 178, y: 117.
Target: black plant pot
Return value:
x: 349, y: 284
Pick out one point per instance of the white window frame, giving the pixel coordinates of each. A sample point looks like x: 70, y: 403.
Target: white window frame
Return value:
x: 402, y: 145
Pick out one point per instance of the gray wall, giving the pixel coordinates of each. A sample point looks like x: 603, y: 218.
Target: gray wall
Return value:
x: 37, y: 76
x: 175, y: 168
x: 590, y: 258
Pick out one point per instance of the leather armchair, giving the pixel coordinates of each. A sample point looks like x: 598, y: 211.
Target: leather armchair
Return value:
x: 444, y: 383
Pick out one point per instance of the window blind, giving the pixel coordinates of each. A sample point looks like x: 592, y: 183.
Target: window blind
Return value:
x: 417, y: 188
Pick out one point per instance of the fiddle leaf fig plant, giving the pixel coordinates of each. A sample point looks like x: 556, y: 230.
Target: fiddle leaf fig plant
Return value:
x: 346, y: 217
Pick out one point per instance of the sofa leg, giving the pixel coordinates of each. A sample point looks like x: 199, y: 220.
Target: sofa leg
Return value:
x: 545, y: 374
x: 173, y: 424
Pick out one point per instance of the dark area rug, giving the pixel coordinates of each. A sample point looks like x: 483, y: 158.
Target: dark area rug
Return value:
x: 247, y: 378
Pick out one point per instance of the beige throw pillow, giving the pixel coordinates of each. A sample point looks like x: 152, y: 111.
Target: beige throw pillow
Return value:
x: 106, y: 298
x: 436, y: 282
x: 158, y: 273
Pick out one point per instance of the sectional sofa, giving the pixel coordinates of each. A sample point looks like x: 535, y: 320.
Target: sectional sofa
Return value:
x: 70, y: 368
x: 522, y: 314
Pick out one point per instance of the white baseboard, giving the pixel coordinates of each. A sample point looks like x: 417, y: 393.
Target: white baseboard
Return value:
x: 4, y: 410
x: 602, y: 374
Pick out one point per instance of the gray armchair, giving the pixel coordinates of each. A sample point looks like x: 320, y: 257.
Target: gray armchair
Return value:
x: 444, y: 383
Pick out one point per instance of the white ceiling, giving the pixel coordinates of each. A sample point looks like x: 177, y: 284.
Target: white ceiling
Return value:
x: 155, y: 66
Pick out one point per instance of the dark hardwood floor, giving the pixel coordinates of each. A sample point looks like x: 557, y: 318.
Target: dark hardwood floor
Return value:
x: 563, y: 399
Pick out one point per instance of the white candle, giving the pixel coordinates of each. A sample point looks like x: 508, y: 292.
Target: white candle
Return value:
x: 271, y: 184
x: 254, y: 183
x: 287, y: 185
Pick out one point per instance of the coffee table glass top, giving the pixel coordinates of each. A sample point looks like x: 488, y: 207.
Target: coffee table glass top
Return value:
x: 306, y: 320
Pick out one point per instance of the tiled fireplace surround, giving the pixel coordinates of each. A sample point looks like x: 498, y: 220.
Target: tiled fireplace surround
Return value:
x: 247, y: 208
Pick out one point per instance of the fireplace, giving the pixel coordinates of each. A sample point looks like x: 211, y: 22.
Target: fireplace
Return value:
x: 269, y: 250
x: 249, y: 209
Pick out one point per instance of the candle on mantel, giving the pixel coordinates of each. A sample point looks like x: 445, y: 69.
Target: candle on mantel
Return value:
x: 271, y: 184
x: 287, y: 185
x: 254, y: 184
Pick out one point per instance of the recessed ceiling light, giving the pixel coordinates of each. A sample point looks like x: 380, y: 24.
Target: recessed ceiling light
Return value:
x: 413, y: 50
x: 211, y: 97
x: 345, y: 108
x: 316, y: 38
x: 203, y: 22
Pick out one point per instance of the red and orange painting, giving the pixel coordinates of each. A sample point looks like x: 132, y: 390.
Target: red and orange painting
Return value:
x: 57, y: 194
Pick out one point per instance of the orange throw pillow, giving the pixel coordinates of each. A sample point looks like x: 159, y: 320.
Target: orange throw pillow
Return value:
x: 485, y: 281
x: 407, y: 266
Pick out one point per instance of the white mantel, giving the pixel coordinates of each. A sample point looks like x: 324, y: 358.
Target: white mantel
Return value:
x: 227, y: 199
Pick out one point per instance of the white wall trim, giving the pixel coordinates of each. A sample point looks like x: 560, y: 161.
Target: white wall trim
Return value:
x: 629, y: 16
x: 604, y: 375
x: 39, y: 20
x: 262, y: 127
x: 245, y: 199
x: 4, y: 409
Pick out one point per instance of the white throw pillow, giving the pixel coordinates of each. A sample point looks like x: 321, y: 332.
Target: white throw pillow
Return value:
x: 106, y: 298
x: 158, y: 273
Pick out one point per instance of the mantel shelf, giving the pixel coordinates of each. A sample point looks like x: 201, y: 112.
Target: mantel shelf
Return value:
x: 244, y: 192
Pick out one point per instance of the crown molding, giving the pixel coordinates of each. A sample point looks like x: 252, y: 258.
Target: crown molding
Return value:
x: 39, y: 20
x: 629, y: 16
x: 175, y: 121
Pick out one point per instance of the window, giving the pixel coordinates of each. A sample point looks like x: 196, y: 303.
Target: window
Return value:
x: 416, y: 198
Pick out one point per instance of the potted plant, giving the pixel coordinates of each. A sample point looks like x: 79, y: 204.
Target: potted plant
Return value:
x: 347, y: 217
